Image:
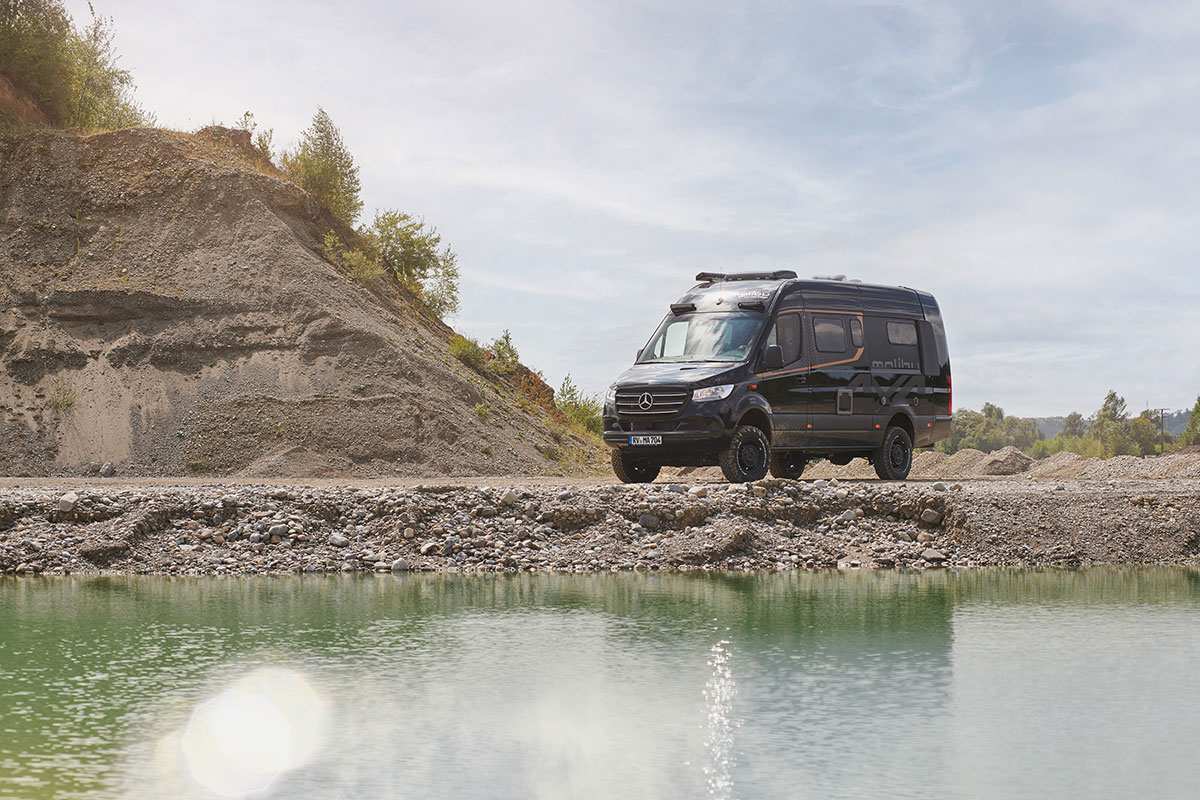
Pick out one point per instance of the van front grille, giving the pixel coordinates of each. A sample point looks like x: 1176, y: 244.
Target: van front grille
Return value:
x: 656, y: 402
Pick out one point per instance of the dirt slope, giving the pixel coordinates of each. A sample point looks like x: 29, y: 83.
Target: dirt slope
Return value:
x: 164, y: 306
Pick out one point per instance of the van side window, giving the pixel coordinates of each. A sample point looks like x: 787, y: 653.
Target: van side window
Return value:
x: 786, y: 334
x: 829, y: 333
x: 856, y: 336
x: 902, y: 333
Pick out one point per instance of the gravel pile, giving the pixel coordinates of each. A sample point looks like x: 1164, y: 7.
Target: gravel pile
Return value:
x: 969, y: 463
x: 772, y: 524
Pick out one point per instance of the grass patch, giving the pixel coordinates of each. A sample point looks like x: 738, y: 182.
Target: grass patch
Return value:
x: 61, y: 395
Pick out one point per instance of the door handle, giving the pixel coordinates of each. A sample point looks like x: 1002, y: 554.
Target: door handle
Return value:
x: 801, y: 379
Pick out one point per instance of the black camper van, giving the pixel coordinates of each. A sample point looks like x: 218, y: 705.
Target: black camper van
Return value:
x: 758, y: 371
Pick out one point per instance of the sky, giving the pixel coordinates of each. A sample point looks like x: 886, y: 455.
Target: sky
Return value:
x: 1034, y: 165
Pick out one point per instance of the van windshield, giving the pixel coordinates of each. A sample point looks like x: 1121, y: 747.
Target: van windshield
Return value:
x: 725, y: 337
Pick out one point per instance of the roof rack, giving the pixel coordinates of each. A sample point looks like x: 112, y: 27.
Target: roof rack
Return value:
x: 777, y: 275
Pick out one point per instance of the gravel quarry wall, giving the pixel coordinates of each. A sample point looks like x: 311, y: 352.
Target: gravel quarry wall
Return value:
x: 521, y: 526
x: 165, y: 308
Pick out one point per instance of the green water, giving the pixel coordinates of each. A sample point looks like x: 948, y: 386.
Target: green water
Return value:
x: 939, y: 684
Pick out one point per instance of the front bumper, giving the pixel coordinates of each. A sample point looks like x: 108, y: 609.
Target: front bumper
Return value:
x: 700, y: 430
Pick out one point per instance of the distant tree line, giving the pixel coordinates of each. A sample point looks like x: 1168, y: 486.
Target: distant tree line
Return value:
x: 72, y: 74
x: 1108, y: 432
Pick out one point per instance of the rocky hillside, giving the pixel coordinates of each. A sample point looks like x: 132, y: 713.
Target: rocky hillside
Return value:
x: 164, y: 306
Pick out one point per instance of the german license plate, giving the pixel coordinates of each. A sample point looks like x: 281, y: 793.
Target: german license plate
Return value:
x: 645, y: 440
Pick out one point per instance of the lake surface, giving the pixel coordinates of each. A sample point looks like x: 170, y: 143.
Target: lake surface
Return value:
x: 857, y: 685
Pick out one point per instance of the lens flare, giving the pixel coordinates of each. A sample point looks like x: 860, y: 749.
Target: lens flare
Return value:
x: 266, y: 724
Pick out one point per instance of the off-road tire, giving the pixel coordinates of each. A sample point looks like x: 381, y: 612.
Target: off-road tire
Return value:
x: 748, y: 455
x: 893, y: 458
x: 788, y: 465
x: 630, y: 468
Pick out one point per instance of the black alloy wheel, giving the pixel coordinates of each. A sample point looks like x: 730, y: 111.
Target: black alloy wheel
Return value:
x: 748, y: 455
x: 633, y: 468
x: 788, y: 465
x: 893, y: 458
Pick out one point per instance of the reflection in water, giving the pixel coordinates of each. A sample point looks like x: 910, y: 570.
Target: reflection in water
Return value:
x: 718, y: 697
x: 238, y: 743
x: 972, y: 684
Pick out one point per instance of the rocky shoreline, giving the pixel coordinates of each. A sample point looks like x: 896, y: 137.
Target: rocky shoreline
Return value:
x: 773, y: 524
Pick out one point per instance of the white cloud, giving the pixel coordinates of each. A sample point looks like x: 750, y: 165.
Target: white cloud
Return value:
x: 1033, y: 166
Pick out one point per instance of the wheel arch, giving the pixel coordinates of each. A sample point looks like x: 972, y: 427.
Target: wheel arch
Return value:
x: 904, y: 421
x: 758, y: 418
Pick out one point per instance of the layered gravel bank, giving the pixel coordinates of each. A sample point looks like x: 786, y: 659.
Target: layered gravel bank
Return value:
x: 773, y: 524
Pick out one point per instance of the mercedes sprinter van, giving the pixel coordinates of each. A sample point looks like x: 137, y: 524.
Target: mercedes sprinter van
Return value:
x: 758, y: 371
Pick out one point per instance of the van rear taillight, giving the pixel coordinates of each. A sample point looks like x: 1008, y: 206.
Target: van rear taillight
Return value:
x: 949, y: 395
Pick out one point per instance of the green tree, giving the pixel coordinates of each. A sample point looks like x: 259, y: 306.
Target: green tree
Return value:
x: 1111, y: 426
x: 101, y: 92
x: 504, y: 352
x: 323, y: 165
x: 1074, y: 426
x: 1191, y: 434
x: 988, y: 430
x: 1143, y: 429
x: 416, y: 255
x: 36, y: 37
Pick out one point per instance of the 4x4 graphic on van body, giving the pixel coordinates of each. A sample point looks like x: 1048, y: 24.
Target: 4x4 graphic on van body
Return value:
x: 758, y: 372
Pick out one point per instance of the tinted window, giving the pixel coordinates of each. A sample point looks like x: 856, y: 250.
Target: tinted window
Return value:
x: 902, y: 333
x: 786, y: 334
x: 856, y: 337
x: 829, y: 333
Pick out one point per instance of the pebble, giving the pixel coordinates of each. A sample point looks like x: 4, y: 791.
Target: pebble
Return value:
x: 271, y: 529
x: 108, y: 470
x: 67, y: 502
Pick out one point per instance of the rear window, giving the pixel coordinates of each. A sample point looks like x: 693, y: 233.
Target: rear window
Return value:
x: 829, y: 333
x: 902, y: 333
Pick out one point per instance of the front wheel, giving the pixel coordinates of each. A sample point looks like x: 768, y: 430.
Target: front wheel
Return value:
x: 893, y: 458
x: 788, y: 465
x: 747, y: 456
x: 631, y: 468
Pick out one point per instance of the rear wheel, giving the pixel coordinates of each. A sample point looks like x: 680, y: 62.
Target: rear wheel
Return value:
x: 633, y: 468
x: 747, y: 456
x: 788, y: 465
x: 893, y: 458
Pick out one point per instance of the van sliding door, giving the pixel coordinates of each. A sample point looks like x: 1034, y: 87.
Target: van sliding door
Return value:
x: 840, y: 410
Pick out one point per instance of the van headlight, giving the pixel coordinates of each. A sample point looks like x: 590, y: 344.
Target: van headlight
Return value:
x: 610, y: 397
x: 713, y: 392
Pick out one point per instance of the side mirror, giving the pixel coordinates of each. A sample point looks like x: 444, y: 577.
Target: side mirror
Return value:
x: 773, y: 357
x: 638, y: 357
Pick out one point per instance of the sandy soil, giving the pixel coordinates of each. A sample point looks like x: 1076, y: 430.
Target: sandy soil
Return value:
x: 164, y: 306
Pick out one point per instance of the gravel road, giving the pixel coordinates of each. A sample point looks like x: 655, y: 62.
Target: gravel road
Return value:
x: 489, y: 525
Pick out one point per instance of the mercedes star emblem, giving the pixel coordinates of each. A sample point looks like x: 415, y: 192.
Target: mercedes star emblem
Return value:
x: 645, y: 401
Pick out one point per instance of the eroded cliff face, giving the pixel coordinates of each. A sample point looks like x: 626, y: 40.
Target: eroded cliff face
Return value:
x: 164, y: 306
